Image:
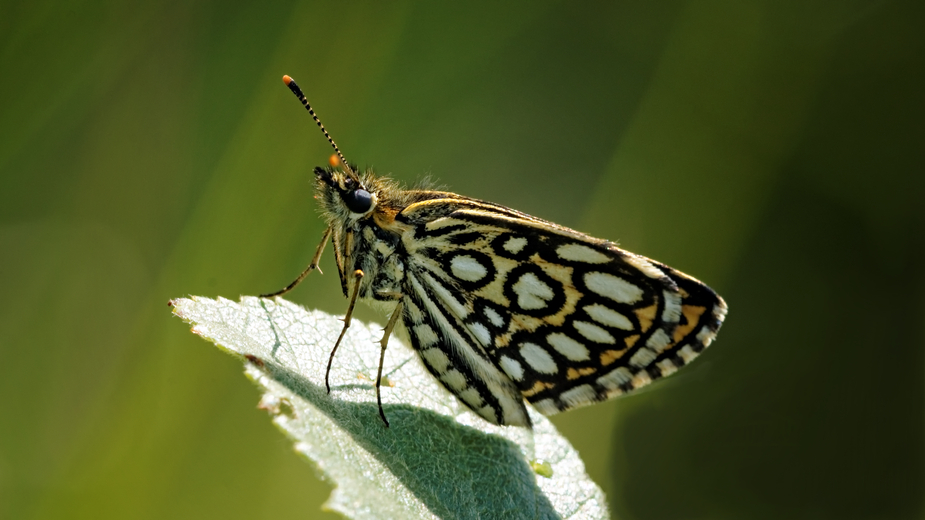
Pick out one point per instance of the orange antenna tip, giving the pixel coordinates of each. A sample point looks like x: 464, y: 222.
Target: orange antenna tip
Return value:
x: 334, y: 160
x: 298, y: 93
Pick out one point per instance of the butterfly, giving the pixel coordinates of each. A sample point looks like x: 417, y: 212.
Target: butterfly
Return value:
x: 503, y: 307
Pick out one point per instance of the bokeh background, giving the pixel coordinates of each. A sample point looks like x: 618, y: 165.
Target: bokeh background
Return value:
x: 774, y: 149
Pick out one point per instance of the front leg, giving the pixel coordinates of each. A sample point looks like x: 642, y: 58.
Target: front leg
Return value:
x: 311, y: 267
x: 358, y: 274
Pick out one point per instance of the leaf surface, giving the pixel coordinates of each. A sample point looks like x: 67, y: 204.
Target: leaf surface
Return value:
x: 437, y: 460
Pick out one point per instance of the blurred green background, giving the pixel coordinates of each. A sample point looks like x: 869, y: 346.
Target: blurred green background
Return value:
x: 775, y: 150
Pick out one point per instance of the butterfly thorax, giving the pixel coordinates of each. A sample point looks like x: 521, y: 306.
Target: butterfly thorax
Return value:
x: 361, y: 210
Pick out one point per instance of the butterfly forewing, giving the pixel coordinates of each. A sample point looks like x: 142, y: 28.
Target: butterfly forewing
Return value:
x: 565, y: 318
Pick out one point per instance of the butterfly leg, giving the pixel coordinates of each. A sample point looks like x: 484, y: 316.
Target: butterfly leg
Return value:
x: 353, y: 300
x: 382, y: 344
x: 311, y: 267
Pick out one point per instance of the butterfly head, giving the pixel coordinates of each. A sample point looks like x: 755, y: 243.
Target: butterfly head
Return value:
x: 344, y: 194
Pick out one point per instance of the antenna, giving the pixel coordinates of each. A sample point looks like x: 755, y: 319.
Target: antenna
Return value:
x: 298, y: 93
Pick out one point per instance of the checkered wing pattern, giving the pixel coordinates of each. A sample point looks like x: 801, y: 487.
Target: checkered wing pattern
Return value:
x: 502, y: 306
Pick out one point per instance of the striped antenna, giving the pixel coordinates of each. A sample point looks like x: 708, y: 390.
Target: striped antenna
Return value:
x: 298, y: 93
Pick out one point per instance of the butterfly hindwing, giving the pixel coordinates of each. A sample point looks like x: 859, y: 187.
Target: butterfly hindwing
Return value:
x: 451, y: 353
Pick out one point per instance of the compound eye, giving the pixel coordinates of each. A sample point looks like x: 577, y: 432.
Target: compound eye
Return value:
x: 358, y: 201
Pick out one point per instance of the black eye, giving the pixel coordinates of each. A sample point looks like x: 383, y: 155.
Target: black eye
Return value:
x: 358, y: 201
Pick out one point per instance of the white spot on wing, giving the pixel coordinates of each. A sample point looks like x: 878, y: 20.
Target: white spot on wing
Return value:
x: 687, y: 354
x: 581, y: 253
x: 512, y: 410
x: 412, y: 311
x: 667, y: 367
x: 426, y: 335
x: 706, y: 336
x: 480, y: 332
x: 568, y: 347
x: 658, y: 341
x: 641, y: 379
x: 471, y: 397
x: 609, y: 317
x: 579, y: 395
x: 672, y: 312
x: 467, y: 268
x: 436, y: 359
x: 532, y: 293
x: 515, y: 245
x: 538, y: 358
x: 593, y: 332
x: 642, y: 358
x: 613, y: 287
x: 488, y: 413
x: 493, y: 317
x: 613, y: 379
x: 511, y: 367
x: 546, y: 407
x: 454, y: 379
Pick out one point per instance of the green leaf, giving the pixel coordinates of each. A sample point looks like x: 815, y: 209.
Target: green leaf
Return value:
x: 437, y: 460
